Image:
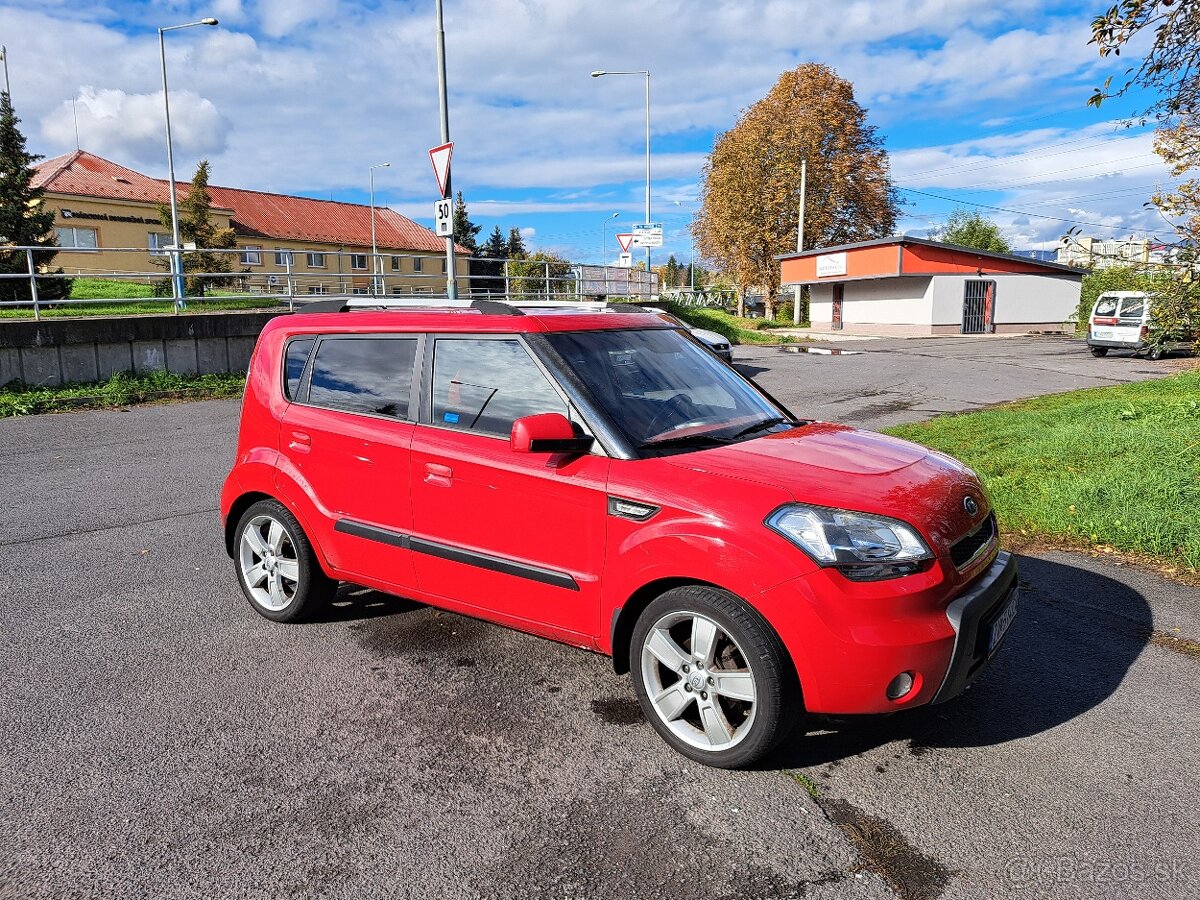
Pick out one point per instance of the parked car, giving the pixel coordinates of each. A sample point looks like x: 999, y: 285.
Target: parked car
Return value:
x: 717, y: 343
x: 598, y: 478
x: 1121, y: 321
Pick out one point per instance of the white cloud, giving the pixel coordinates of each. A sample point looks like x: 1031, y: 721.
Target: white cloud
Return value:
x: 282, y: 17
x: 131, y: 127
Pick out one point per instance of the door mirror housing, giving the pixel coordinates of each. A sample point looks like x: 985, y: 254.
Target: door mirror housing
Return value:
x: 547, y: 433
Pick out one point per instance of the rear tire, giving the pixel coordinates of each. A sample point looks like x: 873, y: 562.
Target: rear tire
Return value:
x: 1099, y: 351
x: 1154, y: 353
x: 277, y: 569
x: 712, y: 677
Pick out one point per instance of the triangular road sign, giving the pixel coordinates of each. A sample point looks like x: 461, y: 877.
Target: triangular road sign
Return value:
x: 440, y: 157
x: 624, y: 240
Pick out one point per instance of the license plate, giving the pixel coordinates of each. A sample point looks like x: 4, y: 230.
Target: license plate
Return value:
x: 1001, y: 624
x: 1102, y: 334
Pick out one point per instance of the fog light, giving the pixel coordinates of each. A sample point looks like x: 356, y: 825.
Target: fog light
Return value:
x: 900, y: 685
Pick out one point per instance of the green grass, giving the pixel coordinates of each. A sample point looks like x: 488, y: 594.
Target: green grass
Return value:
x: 736, y: 330
x: 122, y: 389
x: 1111, y: 467
x: 109, y: 289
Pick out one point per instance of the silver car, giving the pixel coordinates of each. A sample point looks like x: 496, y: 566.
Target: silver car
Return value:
x: 717, y: 343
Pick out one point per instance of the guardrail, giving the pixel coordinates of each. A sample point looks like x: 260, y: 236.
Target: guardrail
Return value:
x: 292, y: 276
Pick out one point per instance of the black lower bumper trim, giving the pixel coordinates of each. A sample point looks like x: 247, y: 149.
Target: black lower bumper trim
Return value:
x: 971, y: 615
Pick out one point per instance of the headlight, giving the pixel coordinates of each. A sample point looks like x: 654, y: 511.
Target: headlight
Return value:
x: 861, y: 546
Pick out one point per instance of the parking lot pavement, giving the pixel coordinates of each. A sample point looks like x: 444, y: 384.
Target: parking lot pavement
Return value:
x: 888, y: 382
x: 158, y: 738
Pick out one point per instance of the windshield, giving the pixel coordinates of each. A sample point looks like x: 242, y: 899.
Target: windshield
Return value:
x: 664, y: 391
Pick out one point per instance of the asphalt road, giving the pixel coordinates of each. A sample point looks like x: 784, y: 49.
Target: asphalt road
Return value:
x: 887, y: 382
x: 159, y: 739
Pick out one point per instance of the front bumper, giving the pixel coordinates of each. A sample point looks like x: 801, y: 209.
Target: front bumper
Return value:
x: 971, y: 615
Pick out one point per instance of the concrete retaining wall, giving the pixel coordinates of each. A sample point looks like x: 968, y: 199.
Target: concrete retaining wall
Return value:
x: 52, y: 351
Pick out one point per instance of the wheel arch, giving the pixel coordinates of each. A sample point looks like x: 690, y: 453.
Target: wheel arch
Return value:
x: 236, y: 510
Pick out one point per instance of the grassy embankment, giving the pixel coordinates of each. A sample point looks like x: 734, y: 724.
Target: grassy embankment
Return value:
x: 120, y: 289
x: 122, y: 389
x: 1106, y: 468
x: 736, y: 330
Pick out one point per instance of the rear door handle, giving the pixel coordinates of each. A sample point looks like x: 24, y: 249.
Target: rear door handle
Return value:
x: 438, y: 475
x: 300, y: 442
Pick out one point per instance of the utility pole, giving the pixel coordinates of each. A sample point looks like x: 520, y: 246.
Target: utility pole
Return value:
x: 451, y: 282
x: 800, y: 238
x: 4, y: 56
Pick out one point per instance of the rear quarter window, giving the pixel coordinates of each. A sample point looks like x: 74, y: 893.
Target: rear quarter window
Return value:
x: 295, y: 358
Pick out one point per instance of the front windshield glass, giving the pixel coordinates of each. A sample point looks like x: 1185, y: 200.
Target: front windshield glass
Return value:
x: 663, y: 390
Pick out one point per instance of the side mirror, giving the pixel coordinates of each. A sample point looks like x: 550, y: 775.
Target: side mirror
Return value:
x: 547, y: 433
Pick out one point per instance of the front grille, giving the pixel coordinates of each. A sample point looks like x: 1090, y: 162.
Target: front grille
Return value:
x: 965, y: 548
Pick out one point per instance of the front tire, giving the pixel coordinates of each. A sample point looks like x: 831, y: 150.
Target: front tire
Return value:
x: 277, y: 569
x: 712, y: 677
x: 1099, y: 351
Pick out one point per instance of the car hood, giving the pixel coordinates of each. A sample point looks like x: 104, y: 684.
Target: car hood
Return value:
x: 835, y: 465
x: 709, y: 337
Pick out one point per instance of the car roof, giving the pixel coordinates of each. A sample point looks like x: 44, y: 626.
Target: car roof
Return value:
x: 487, y: 318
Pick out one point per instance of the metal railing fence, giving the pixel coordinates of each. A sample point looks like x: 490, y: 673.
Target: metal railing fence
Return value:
x: 289, y: 277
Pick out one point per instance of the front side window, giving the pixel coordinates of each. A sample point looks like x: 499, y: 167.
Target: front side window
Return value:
x: 76, y: 238
x: 664, y: 391
x: 364, y: 375
x: 485, y: 385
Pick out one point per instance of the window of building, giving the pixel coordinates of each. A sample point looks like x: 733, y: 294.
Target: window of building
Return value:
x: 358, y: 260
x: 70, y: 238
x: 317, y: 289
x: 366, y: 375
x: 417, y: 262
x: 484, y: 385
x: 395, y: 264
x: 359, y: 291
x: 316, y: 260
x: 252, y: 255
x: 156, y: 240
x: 443, y: 265
x: 397, y: 290
x: 284, y: 256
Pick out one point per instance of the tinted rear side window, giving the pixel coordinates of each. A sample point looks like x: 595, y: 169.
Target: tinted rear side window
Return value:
x: 297, y: 356
x: 364, y: 375
x: 484, y: 385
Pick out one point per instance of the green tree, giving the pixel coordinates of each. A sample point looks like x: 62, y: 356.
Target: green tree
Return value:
x: 25, y: 220
x: 464, y: 229
x: 495, y: 247
x: 516, y: 244
x: 544, y: 274
x: 809, y: 115
x: 196, y: 226
x: 970, y: 229
x: 1167, y: 74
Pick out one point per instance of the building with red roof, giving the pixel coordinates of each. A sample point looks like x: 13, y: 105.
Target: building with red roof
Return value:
x: 906, y: 285
x: 107, y: 221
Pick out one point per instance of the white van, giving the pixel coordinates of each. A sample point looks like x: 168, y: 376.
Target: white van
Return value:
x: 1121, y: 321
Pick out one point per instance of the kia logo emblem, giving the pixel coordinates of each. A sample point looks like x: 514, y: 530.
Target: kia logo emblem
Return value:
x: 970, y: 506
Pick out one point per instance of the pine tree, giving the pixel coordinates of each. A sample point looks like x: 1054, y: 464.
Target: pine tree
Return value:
x: 25, y: 221
x: 196, y: 226
x: 671, y: 272
x: 516, y: 244
x: 495, y: 247
x: 464, y: 229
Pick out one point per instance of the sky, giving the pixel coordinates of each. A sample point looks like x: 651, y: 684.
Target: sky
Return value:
x: 977, y: 101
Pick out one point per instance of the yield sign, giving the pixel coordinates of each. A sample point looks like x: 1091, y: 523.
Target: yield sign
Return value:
x: 624, y: 240
x: 440, y: 157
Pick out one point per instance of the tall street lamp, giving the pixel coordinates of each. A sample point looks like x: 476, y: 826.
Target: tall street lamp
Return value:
x: 176, y: 257
x: 4, y: 56
x: 604, y: 238
x: 374, y: 245
x: 597, y: 74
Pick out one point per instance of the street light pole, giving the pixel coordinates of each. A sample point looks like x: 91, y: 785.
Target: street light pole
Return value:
x: 374, y: 245
x: 451, y: 280
x: 604, y: 238
x: 601, y: 72
x: 177, y: 286
x: 800, y: 238
x: 4, y: 56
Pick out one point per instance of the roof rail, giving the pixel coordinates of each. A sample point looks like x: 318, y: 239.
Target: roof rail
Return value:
x: 496, y: 308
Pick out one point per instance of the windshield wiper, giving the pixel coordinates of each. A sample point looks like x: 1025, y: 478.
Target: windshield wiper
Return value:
x: 684, y: 440
x: 761, y: 426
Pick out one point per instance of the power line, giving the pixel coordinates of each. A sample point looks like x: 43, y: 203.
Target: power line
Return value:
x: 1018, y: 212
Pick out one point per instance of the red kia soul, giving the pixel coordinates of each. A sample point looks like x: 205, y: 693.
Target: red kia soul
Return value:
x: 600, y: 478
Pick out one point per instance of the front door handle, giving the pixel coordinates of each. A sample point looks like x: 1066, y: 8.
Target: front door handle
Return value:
x: 300, y: 442
x: 438, y: 475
